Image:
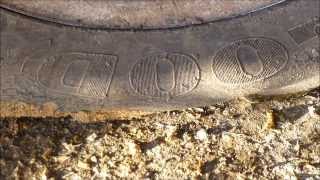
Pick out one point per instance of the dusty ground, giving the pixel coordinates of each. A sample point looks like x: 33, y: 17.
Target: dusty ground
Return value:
x: 243, y: 139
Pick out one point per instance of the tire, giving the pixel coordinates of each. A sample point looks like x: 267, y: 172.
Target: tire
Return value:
x: 269, y: 52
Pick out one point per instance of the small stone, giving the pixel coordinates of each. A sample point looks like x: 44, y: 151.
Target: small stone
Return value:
x: 198, y: 110
x: 186, y: 137
x: 170, y: 130
x: 133, y: 130
x: 155, y: 152
x: 312, y: 112
x: 123, y: 170
x: 94, y: 159
x: 213, y: 138
x: 61, y: 159
x: 133, y: 148
x: 296, y: 147
x: 83, y: 165
x: 227, y: 140
x: 189, y: 116
x: 269, y: 138
x: 201, y: 135
x: 69, y: 148
x: 91, y: 138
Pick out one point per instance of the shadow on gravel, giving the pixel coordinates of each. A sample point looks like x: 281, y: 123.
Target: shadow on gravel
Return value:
x: 296, y: 112
x: 24, y: 140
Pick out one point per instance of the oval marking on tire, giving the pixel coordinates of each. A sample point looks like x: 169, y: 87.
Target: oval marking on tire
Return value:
x: 249, y: 61
x: 64, y: 75
x: 165, y: 75
x: 229, y: 69
x: 144, y: 76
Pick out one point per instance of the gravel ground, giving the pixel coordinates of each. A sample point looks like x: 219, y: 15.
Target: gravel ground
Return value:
x: 252, y: 138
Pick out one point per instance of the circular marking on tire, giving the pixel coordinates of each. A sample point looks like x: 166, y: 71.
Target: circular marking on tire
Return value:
x: 249, y: 60
x: 165, y: 75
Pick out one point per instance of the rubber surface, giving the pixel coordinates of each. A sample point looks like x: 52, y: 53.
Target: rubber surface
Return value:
x: 134, y: 14
x: 273, y: 51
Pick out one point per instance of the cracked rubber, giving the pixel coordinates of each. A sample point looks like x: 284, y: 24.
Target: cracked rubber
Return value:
x: 269, y: 52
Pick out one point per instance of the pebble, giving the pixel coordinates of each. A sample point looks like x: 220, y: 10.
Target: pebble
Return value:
x: 201, y: 135
x: 198, y: 110
x: 94, y: 159
x: 133, y: 148
x: 170, y: 130
x: 83, y: 165
x: 91, y: 138
x: 312, y: 112
x: 227, y: 140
